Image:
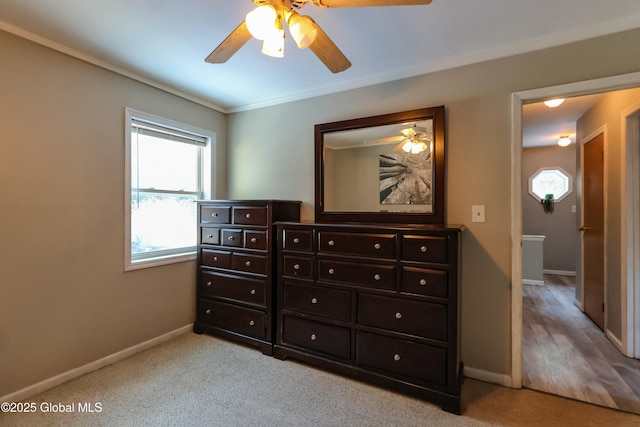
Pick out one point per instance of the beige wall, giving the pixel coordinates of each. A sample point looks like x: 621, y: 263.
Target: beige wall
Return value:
x: 607, y: 115
x: 278, y: 160
x: 65, y: 299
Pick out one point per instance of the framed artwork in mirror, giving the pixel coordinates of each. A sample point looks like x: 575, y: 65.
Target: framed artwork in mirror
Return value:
x: 387, y: 168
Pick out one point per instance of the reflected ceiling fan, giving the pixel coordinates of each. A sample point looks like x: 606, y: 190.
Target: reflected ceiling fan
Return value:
x: 267, y: 22
x: 414, y: 139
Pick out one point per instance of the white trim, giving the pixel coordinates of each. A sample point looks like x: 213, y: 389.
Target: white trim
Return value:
x: 516, y: 241
x: 55, y: 381
x: 615, y: 341
x: 578, y: 304
x: 533, y: 282
x: 605, y: 84
x: 630, y: 224
x: 489, y: 377
x: 559, y: 272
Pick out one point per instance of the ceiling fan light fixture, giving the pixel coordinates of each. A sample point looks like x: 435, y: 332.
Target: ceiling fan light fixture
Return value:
x: 274, y: 44
x: 302, y: 29
x: 261, y: 22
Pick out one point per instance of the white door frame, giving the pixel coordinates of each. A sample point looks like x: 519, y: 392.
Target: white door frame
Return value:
x: 606, y: 84
x: 630, y: 221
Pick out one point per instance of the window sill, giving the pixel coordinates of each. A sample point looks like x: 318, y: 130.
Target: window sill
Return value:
x: 158, y: 261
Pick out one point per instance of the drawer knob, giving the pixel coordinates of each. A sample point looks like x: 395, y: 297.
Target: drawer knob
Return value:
x: 398, y: 315
x: 247, y: 216
x: 377, y: 246
x: 423, y: 249
x: 215, y: 258
x: 209, y: 283
x: 396, y: 357
x: 251, y: 323
x: 331, y: 271
x: 248, y: 263
x: 253, y: 240
x: 313, y: 337
x: 423, y: 282
x: 331, y: 242
x: 376, y: 276
x: 296, y: 240
x: 208, y: 311
x: 209, y: 236
x: 230, y: 237
x: 296, y: 266
x: 314, y: 300
x: 253, y: 291
x: 215, y: 214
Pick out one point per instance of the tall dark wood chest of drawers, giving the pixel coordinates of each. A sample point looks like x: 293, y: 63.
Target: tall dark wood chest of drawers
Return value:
x: 375, y: 302
x: 236, y: 269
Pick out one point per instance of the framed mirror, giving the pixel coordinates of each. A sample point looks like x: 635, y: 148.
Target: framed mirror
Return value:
x: 387, y: 168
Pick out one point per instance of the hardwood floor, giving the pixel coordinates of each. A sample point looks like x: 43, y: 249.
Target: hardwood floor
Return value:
x: 565, y: 353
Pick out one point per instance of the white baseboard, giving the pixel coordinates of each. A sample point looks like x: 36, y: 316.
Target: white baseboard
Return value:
x: 488, y: 377
x: 578, y: 304
x: 560, y: 272
x: 49, y: 383
x: 533, y: 282
x: 616, y: 341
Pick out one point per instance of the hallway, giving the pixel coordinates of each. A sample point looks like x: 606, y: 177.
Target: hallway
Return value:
x: 565, y: 353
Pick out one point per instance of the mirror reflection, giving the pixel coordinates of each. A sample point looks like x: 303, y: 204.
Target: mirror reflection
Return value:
x: 386, y: 168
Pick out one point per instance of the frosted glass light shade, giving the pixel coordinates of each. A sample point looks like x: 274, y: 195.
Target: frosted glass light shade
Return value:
x: 303, y: 30
x: 261, y: 22
x: 274, y: 45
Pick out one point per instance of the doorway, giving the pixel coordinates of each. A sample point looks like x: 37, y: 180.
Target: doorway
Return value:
x: 629, y: 280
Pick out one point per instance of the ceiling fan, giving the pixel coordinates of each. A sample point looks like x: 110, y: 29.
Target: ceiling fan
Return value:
x: 266, y: 23
x: 414, y: 139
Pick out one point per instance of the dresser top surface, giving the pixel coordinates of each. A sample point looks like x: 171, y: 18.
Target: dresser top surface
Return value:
x: 355, y: 226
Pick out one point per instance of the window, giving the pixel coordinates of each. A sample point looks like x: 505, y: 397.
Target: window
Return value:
x: 166, y: 164
x: 552, y: 180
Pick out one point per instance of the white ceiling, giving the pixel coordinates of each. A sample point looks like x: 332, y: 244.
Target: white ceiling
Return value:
x: 166, y: 41
x: 543, y: 126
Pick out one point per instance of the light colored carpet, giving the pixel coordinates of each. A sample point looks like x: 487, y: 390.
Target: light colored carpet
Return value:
x: 199, y: 380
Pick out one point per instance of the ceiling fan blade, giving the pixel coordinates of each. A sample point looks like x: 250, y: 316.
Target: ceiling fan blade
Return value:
x: 328, y: 52
x: 366, y: 3
x: 230, y: 45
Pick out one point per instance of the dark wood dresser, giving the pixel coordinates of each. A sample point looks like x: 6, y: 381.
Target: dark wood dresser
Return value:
x: 375, y: 302
x: 236, y: 270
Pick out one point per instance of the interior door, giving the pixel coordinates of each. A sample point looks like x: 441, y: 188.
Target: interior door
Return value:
x: 593, y: 229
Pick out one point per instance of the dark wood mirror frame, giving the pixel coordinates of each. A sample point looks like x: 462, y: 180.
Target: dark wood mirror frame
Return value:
x: 437, y: 216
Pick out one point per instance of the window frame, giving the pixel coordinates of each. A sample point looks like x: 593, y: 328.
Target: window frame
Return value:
x: 207, y: 182
x: 557, y: 169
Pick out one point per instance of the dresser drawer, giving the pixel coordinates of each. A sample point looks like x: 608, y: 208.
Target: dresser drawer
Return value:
x: 249, y: 263
x: 400, y: 357
x: 422, y: 281
x: 297, y: 240
x: 424, y: 319
x: 295, y: 266
x: 217, y: 259
x: 332, y: 303
x: 369, y: 245
x: 215, y: 214
x: 237, y: 319
x: 210, y: 236
x: 232, y: 287
x: 255, y: 239
x: 317, y: 336
x: 250, y: 215
x: 425, y: 249
x: 357, y: 274
x: 231, y: 237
